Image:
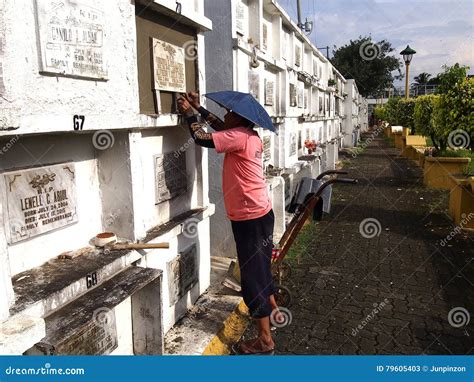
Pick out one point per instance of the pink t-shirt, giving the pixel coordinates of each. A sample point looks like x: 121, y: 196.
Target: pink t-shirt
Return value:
x: 243, y: 184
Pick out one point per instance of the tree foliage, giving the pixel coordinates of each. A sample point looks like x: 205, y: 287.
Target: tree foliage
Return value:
x: 380, y: 113
x: 437, y: 116
x: 405, y: 111
x: 452, y: 75
x: 459, y: 102
x: 392, y: 111
x: 422, y: 78
x: 369, y: 63
x: 428, y: 119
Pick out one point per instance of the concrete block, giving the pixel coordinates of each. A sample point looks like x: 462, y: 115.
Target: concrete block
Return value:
x: 19, y: 333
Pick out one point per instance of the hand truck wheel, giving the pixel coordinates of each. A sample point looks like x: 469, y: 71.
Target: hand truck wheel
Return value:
x: 282, y: 295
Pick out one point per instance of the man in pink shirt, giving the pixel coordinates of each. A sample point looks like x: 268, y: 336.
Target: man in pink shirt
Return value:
x: 248, y: 207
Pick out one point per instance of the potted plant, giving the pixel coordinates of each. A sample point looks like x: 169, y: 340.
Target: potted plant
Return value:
x: 331, y: 82
x: 405, y: 115
x: 461, y: 202
x: 380, y: 115
x: 447, y: 119
x: 461, y: 118
x: 392, y: 115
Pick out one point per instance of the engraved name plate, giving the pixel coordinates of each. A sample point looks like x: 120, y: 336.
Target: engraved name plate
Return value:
x: 254, y: 80
x: 170, y: 176
x: 182, y: 274
x: 293, y: 144
x: 267, y: 144
x: 94, y: 338
x: 269, y: 85
x: 168, y: 66
x: 71, y: 35
x: 40, y: 200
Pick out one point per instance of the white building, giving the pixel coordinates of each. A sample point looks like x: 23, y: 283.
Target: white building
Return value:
x: 90, y: 142
x: 255, y: 47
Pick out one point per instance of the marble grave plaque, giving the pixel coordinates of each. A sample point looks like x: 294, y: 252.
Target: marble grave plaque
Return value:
x: 254, y: 80
x: 264, y: 36
x: 269, y: 85
x: 182, y: 273
x: 39, y: 200
x: 293, y: 144
x: 97, y: 337
x: 293, y: 97
x: 297, y: 55
x: 240, y: 18
x: 168, y: 67
x: 300, y: 96
x: 267, y: 144
x: 71, y: 34
x: 170, y: 176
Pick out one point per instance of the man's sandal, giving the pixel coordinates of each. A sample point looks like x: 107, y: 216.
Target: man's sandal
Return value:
x: 251, y: 350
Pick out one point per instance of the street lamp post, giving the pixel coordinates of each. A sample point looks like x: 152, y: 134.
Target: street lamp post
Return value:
x: 407, y: 56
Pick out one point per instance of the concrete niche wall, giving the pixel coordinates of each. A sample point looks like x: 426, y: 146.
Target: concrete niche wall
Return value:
x: 150, y: 25
x: 31, y: 152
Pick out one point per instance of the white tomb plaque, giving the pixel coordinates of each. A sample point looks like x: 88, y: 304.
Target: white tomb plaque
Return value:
x: 240, y: 18
x: 264, y: 37
x: 40, y: 200
x: 170, y: 176
x: 267, y: 146
x: 297, y: 55
x: 300, y: 96
x: 293, y: 144
x: 254, y: 82
x: 71, y: 34
x: 182, y: 274
x: 168, y: 67
x: 293, y: 97
x: 268, y: 92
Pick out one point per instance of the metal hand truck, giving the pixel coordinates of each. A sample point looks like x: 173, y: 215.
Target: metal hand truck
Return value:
x: 281, y: 270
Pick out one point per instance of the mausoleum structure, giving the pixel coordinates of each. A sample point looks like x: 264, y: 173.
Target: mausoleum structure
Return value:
x: 91, y: 142
x: 354, y: 114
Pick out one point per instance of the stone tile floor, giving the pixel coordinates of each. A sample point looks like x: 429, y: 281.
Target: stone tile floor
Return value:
x: 399, y: 292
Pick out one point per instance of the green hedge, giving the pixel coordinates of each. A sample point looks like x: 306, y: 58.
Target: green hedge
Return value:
x: 459, y: 113
x: 380, y: 113
x: 392, y: 111
x: 446, y: 118
x: 437, y: 116
x: 423, y: 116
x: 405, y: 111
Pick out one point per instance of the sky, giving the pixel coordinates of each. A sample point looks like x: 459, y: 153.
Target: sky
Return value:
x: 441, y: 31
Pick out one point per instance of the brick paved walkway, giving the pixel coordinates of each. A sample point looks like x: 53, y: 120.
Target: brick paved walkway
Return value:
x: 390, y: 294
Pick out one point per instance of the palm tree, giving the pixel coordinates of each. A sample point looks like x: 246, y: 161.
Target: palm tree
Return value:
x: 420, y: 83
x: 422, y: 78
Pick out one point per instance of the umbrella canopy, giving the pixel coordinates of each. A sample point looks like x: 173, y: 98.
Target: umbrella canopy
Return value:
x: 245, y: 105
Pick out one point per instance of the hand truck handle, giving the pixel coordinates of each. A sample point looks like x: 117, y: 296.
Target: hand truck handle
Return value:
x: 330, y: 172
x: 347, y: 180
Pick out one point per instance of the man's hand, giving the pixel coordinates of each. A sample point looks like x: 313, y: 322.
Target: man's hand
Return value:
x: 193, y: 99
x: 184, y: 107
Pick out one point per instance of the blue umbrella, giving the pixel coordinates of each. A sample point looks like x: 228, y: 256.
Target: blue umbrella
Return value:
x: 245, y: 105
